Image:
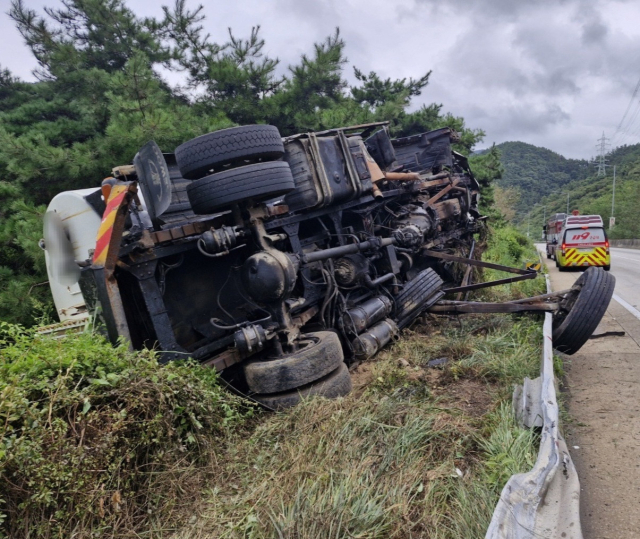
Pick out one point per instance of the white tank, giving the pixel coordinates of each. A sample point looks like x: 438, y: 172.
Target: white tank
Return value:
x: 70, y: 229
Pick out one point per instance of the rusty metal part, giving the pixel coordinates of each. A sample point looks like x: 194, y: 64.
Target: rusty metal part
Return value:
x: 489, y: 284
x: 401, y: 176
x: 221, y: 361
x: 426, y: 185
x: 264, y: 211
x: 302, y: 318
x: 448, y: 209
x: 467, y: 272
x: 123, y: 170
x: 469, y: 307
x: 552, y: 295
x: 376, y: 175
x: 377, y: 194
x: 480, y: 263
x: 437, y: 197
x: 179, y: 232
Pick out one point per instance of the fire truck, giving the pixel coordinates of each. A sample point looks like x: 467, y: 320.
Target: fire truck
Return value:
x: 577, y: 241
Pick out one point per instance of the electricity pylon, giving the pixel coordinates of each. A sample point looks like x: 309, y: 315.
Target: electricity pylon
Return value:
x: 603, y: 144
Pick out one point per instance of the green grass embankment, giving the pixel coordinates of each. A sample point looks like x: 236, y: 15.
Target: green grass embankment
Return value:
x: 102, y: 442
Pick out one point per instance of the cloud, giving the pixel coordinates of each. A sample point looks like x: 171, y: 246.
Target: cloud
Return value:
x: 549, y: 72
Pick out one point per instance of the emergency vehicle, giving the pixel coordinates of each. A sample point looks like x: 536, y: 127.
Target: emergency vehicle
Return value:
x: 552, y: 231
x: 575, y: 241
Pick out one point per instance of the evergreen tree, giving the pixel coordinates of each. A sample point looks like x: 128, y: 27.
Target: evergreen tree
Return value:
x: 99, y: 98
x: 487, y: 169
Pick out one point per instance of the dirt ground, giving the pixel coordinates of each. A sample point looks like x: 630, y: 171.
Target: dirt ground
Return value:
x: 602, y: 386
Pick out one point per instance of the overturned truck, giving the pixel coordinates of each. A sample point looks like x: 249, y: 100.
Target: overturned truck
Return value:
x: 283, y: 262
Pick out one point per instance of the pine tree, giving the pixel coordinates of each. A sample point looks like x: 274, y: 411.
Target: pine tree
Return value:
x: 99, y: 98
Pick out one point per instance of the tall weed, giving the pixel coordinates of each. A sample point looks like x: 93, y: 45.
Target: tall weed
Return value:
x: 99, y: 441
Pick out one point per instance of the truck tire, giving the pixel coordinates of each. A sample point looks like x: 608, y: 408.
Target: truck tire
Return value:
x: 228, y: 146
x: 417, y: 295
x: 582, y: 309
x: 320, y: 354
x: 335, y: 384
x: 259, y: 181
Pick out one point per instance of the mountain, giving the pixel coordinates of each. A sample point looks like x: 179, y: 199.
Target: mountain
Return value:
x: 539, y: 181
x: 535, y: 172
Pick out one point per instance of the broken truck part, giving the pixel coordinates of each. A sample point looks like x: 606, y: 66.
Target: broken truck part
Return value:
x: 280, y: 262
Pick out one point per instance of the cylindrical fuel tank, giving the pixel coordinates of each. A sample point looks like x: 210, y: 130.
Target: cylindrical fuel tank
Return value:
x: 372, y: 340
x: 368, y: 313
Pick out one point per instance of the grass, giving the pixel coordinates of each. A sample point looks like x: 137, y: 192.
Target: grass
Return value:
x: 413, y: 451
x: 403, y: 456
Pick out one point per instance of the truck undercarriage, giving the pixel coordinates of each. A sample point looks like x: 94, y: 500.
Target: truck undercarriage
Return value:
x: 284, y: 261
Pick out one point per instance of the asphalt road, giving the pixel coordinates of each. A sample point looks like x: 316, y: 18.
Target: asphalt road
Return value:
x: 625, y: 266
x: 601, y: 387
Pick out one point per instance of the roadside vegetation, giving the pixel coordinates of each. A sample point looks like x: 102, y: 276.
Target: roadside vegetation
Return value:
x: 100, y: 442
x: 103, y: 442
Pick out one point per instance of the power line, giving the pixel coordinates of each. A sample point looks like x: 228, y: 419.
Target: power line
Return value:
x: 624, y: 116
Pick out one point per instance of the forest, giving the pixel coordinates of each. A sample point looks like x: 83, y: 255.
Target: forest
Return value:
x: 538, y: 182
x: 100, y: 95
x: 535, y: 172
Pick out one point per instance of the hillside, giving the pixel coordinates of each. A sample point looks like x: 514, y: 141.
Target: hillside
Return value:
x: 592, y: 194
x: 535, y: 172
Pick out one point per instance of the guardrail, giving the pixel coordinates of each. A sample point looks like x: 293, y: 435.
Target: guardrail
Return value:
x: 629, y: 244
x: 544, y: 502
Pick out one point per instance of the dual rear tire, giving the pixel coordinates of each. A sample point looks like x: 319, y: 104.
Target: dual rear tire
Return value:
x: 316, y: 368
x: 234, y: 165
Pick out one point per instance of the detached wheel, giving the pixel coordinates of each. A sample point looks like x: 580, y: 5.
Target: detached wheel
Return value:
x: 259, y: 181
x: 335, y: 384
x: 228, y: 146
x: 319, y: 354
x: 417, y: 295
x: 582, y: 309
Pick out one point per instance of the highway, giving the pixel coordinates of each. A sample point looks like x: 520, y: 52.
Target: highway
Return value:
x: 625, y: 266
x: 601, y: 387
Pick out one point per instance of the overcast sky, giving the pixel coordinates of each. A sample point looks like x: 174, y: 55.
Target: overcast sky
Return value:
x: 555, y: 73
